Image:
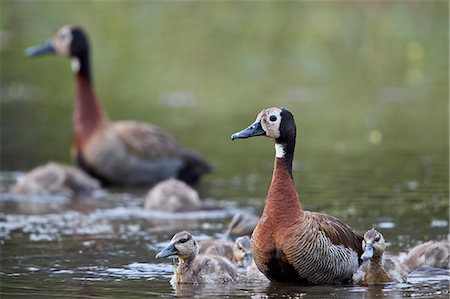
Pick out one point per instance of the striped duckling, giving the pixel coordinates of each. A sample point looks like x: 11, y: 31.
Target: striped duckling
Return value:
x: 290, y: 244
x: 194, y: 268
x: 378, y: 267
x: 432, y: 254
x: 124, y: 152
x: 55, y: 179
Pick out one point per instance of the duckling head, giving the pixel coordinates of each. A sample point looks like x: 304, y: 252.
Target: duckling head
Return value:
x: 242, y: 251
x: 276, y: 123
x: 68, y: 41
x: 183, y: 245
x: 373, y: 244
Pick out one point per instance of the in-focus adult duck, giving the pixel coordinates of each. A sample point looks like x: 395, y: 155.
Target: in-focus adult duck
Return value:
x: 194, y: 268
x: 290, y: 244
x: 124, y: 152
x: 377, y: 267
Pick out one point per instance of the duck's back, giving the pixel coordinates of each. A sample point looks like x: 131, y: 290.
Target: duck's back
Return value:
x: 317, y: 249
x: 213, y: 269
x: 130, y: 152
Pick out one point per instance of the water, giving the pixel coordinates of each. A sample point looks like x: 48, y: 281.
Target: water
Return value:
x: 367, y: 83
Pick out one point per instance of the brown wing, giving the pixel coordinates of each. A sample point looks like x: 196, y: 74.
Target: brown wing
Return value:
x: 338, y: 232
x: 146, y: 141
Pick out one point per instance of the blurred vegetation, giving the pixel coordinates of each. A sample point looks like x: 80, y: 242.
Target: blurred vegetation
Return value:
x: 366, y: 81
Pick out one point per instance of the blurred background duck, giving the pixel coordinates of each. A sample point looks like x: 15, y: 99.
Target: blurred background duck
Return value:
x: 378, y: 267
x: 432, y: 254
x: 172, y: 195
x: 125, y: 152
x: 290, y: 244
x: 240, y: 225
x: 55, y: 179
x: 194, y: 268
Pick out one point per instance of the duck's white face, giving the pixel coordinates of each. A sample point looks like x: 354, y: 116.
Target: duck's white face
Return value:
x: 270, y: 120
x: 61, y: 40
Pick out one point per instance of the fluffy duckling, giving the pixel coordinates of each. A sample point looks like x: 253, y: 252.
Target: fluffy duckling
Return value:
x: 433, y: 254
x: 378, y: 267
x: 125, y: 152
x: 242, y: 224
x: 242, y: 255
x: 55, y: 179
x: 290, y: 244
x: 172, y: 195
x: 220, y: 247
x: 242, y: 251
x: 196, y: 268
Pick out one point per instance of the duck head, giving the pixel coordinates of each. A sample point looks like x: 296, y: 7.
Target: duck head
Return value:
x: 276, y: 123
x: 373, y: 244
x: 68, y: 41
x: 242, y: 251
x: 183, y: 245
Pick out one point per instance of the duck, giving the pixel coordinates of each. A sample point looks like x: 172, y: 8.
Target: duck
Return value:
x: 220, y: 247
x: 242, y: 251
x: 377, y: 267
x: 194, y: 268
x: 242, y: 255
x: 55, y: 179
x: 122, y: 152
x: 241, y: 224
x: 290, y: 244
x: 172, y: 195
x: 431, y: 254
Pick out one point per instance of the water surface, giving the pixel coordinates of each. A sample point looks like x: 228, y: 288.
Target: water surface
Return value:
x: 367, y: 83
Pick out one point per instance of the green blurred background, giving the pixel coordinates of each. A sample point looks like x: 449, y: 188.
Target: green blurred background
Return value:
x: 366, y: 81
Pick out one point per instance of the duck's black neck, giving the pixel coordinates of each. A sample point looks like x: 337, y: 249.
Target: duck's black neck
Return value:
x: 83, y: 68
x: 285, y: 150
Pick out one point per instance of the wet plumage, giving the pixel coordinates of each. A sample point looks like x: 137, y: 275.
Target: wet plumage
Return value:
x: 290, y: 244
x: 125, y: 152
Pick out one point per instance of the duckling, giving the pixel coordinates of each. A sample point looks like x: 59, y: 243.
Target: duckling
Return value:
x: 242, y: 224
x: 220, y: 247
x: 432, y: 254
x: 242, y: 255
x: 196, y: 268
x: 55, y: 179
x: 290, y: 244
x: 172, y: 195
x: 124, y: 152
x: 378, y: 267
x: 242, y: 251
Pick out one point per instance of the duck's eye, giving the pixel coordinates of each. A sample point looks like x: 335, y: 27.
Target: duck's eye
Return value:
x: 272, y: 118
x: 377, y: 239
x: 183, y: 240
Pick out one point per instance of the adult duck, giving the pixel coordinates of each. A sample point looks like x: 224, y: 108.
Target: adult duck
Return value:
x: 377, y: 267
x: 124, y: 152
x: 290, y: 244
x: 194, y: 268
